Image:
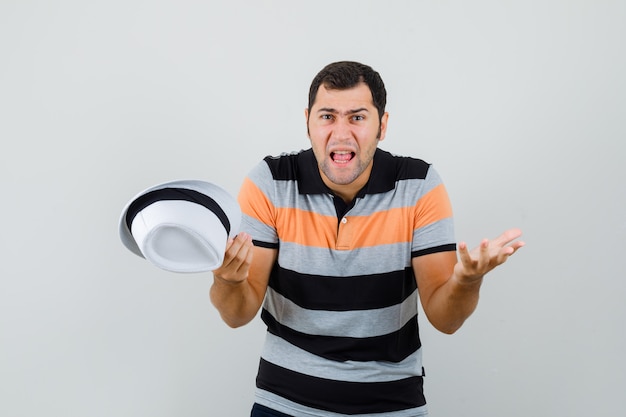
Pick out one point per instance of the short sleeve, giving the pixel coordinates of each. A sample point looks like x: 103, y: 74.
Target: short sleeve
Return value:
x: 258, y: 210
x: 433, y: 229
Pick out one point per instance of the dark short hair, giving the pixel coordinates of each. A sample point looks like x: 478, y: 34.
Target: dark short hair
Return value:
x: 347, y: 74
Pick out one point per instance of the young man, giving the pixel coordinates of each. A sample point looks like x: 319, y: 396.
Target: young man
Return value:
x: 338, y: 242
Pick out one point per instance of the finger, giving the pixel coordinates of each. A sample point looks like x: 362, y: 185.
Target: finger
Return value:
x: 244, y: 267
x: 234, y: 245
x: 507, y: 251
x: 237, y: 259
x: 503, y: 254
x: 507, y: 237
x: 515, y: 246
x: 238, y: 242
x: 464, y: 255
x: 245, y: 248
x: 483, y: 256
x: 243, y: 259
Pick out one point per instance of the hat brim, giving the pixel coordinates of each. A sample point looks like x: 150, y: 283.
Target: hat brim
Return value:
x: 174, y: 201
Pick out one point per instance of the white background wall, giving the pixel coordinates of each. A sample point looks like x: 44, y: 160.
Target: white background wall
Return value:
x: 519, y: 104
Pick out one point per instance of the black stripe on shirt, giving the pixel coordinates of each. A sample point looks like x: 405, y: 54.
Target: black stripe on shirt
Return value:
x: 341, y: 396
x: 361, y: 292
x: 391, y: 347
x: 262, y: 244
x: 436, y: 249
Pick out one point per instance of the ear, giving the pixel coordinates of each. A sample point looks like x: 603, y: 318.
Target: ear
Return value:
x: 383, y: 126
x: 306, y: 120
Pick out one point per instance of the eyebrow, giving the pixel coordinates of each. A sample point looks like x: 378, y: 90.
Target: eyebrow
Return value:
x: 331, y: 110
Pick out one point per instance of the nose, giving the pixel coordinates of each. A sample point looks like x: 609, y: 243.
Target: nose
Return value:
x: 341, y: 129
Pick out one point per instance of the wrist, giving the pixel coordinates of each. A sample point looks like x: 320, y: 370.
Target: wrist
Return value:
x: 229, y: 282
x: 469, y: 283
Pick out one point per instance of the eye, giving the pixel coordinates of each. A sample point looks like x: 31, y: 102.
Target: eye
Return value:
x: 326, y: 117
x: 358, y: 117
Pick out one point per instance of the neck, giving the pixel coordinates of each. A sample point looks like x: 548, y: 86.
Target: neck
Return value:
x: 347, y: 192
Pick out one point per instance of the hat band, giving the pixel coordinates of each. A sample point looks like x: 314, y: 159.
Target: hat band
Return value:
x: 183, y: 194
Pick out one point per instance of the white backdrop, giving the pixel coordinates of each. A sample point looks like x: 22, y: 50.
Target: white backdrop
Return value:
x: 519, y: 104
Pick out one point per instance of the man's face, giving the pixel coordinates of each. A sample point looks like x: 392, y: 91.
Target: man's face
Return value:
x: 344, y: 130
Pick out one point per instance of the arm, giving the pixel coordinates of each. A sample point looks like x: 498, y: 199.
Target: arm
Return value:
x: 449, y: 289
x: 239, y: 285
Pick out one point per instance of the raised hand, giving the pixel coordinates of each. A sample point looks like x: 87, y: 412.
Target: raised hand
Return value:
x: 474, y: 264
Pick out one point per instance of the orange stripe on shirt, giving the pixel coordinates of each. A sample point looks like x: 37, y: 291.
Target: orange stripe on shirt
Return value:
x: 306, y: 228
x: 256, y: 204
x: 432, y: 207
x: 315, y: 230
x: 379, y: 228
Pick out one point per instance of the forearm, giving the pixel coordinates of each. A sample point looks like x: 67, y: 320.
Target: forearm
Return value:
x: 237, y: 302
x: 452, y: 303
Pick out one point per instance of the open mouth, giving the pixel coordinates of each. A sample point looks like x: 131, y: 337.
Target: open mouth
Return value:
x: 342, y: 157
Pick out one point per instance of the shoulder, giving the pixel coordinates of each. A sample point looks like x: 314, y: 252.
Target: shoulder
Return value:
x: 288, y: 165
x: 391, y: 171
x: 402, y: 167
x: 274, y: 173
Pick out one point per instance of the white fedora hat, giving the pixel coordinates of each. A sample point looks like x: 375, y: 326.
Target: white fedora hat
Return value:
x: 181, y: 226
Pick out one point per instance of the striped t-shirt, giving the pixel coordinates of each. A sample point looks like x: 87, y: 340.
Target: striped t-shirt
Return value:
x: 341, y: 305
